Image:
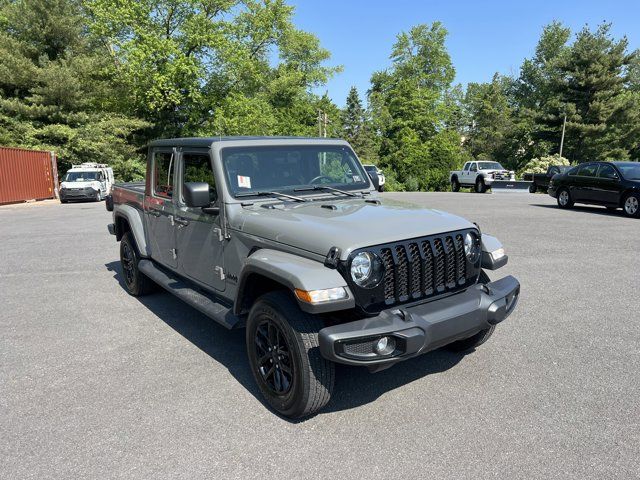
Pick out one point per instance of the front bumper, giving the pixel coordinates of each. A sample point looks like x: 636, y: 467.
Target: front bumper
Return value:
x: 77, y: 194
x: 422, y: 328
x: 552, y: 190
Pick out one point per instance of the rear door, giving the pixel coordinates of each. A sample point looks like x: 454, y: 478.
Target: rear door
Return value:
x: 543, y: 181
x: 607, y: 189
x: 199, y: 235
x: 584, y: 182
x: 464, y: 173
x: 473, y: 172
x: 160, y: 207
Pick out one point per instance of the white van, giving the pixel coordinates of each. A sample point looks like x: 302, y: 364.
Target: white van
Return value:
x: 89, y: 181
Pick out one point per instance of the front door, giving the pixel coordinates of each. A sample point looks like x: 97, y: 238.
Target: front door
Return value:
x: 607, y: 189
x: 160, y: 208
x: 199, y: 235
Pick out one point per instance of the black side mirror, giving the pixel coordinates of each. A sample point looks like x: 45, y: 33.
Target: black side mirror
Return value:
x: 196, y: 194
x: 375, y: 179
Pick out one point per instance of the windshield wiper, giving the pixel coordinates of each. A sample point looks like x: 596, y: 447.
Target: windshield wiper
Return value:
x: 324, y: 187
x: 266, y: 193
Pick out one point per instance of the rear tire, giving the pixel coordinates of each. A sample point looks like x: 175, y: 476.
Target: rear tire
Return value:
x: 631, y: 205
x: 455, y: 185
x: 564, y: 198
x: 381, y: 189
x: 471, y: 343
x: 533, y: 188
x: 137, y: 283
x: 296, y: 380
x: 480, y: 185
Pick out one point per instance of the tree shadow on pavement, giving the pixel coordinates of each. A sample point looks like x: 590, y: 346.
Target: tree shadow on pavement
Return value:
x: 355, y: 386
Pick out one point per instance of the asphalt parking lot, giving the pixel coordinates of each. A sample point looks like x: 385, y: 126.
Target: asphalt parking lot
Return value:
x: 97, y: 384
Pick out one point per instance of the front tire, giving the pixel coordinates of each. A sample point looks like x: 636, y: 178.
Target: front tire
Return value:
x: 137, y: 283
x: 481, y: 187
x: 284, y: 356
x: 564, y: 198
x: 471, y: 343
x: 381, y: 189
x: 533, y: 188
x: 631, y: 205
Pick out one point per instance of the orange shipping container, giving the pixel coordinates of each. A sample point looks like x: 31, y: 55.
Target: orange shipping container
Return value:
x: 27, y: 175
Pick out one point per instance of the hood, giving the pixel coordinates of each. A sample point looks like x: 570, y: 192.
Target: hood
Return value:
x: 80, y: 184
x: 347, y: 224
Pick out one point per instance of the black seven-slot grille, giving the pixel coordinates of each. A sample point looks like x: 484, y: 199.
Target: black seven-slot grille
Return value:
x: 418, y: 269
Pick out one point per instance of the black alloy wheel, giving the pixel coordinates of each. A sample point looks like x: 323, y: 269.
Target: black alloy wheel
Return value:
x: 273, y: 357
x: 137, y: 283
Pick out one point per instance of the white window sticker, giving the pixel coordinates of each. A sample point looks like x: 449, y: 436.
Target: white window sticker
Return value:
x: 356, y: 178
x: 244, y: 182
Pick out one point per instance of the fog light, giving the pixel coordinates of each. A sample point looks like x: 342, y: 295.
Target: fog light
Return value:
x: 385, y: 346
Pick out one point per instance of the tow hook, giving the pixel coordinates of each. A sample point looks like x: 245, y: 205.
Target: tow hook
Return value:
x: 402, y: 314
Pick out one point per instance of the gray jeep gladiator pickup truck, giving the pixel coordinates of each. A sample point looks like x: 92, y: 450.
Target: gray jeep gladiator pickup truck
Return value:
x: 289, y: 238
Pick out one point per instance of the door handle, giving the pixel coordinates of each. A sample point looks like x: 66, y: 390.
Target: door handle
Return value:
x: 181, y: 221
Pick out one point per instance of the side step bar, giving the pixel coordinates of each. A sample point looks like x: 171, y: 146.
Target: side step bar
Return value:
x: 185, y: 292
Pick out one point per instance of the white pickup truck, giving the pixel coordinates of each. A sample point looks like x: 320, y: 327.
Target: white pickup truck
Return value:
x: 479, y: 175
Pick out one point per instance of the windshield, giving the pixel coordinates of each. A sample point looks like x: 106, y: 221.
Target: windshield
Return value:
x: 490, y: 166
x: 629, y: 170
x: 81, y: 176
x: 285, y: 168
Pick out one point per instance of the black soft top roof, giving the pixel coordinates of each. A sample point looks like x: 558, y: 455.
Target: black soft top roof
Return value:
x: 208, y: 141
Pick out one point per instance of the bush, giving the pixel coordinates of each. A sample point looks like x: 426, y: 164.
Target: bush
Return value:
x: 411, y: 184
x: 540, y: 165
x: 436, y: 180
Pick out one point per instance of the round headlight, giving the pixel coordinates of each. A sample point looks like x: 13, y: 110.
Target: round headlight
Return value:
x: 366, y: 270
x: 471, y: 247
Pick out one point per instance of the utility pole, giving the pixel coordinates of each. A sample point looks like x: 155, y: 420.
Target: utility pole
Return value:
x: 564, y: 124
x: 323, y: 120
x: 326, y: 120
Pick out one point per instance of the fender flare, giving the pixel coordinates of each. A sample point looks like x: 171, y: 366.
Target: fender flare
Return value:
x: 292, y: 271
x: 133, y: 217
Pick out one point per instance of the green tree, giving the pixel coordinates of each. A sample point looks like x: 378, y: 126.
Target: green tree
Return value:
x: 589, y: 81
x: 357, y: 128
x: 57, y: 89
x: 593, y: 91
x: 414, y: 106
x: 490, y: 131
x: 213, y: 67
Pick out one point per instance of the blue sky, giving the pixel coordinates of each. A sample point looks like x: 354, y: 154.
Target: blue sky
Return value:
x: 484, y: 36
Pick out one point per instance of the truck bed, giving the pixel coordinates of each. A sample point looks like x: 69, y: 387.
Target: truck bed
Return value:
x: 130, y: 193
